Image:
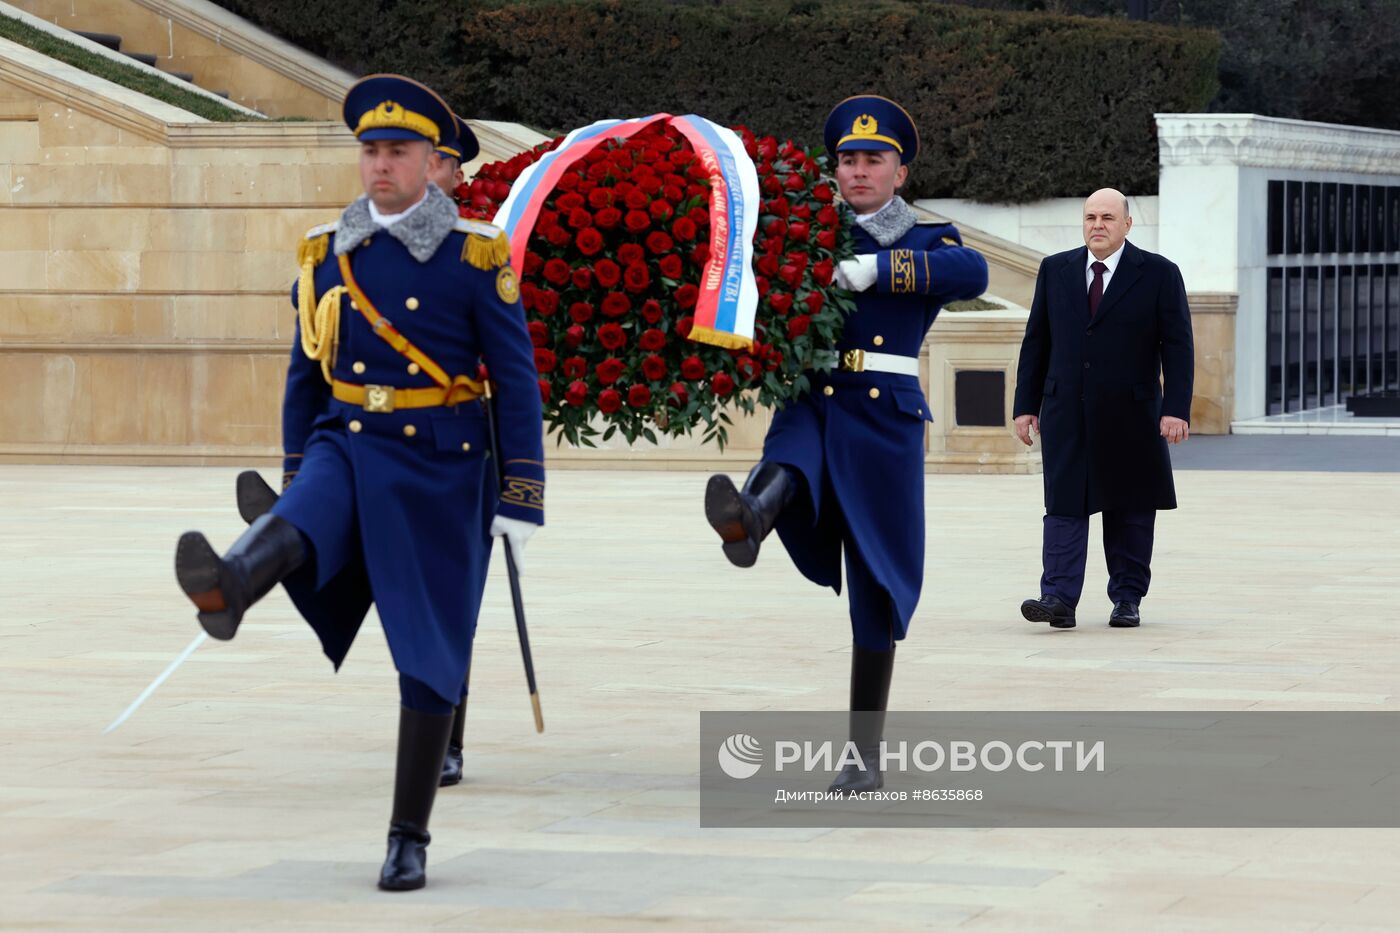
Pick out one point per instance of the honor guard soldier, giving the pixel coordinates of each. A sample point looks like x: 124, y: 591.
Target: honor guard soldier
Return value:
x: 843, y: 466
x: 390, y: 497
x: 255, y: 497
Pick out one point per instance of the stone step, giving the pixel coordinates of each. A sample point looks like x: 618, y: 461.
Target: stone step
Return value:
x: 142, y: 57
x: 102, y: 38
x: 182, y: 75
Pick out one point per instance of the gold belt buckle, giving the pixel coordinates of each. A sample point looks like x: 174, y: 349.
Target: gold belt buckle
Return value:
x: 379, y: 399
x: 853, y: 361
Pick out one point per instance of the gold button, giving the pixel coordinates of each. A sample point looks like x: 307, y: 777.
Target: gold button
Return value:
x: 365, y: 241
x: 355, y: 427
x: 874, y: 393
x: 409, y: 430
x: 879, y: 341
x: 828, y: 391
x: 354, y: 306
x: 414, y: 369
x: 358, y: 367
x: 466, y: 445
x: 411, y: 304
x: 921, y: 412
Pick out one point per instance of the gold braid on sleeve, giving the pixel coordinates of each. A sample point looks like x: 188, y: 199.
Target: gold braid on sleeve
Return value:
x: 320, y: 321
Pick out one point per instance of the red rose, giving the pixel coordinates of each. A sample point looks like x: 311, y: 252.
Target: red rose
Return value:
x: 659, y: 242
x: 609, y: 371
x: 686, y: 295
x: 545, y: 391
x: 600, y: 198
x: 629, y: 253
x: 814, y: 301
x: 746, y: 367
x: 771, y: 185
x: 574, y: 335
x: 684, y: 325
x: 823, y: 271
x: 589, y: 241
x: 797, y: 258
x: 556, y: 271
x: 607, y: 272
x: 637, y: 221
x: 636, y: 278
x: 763, y: 285
x: 609, y: 401
x: 670, y: 266
x: 527, y: 294
x: 791, y: 274
x: 639, y: 396
x: 568, y: 182
x: 580, y: 218
x: 576, y: 394
x: 567, y: 202
x: 683, y: 229
x: 827, y: 239
x: 533, y: 262
x: 611, y: 336
x: 583, y: 277
x: 660, y: 210
x: 557, y: 236
x: 674, y: 190
x: 767, y: 265
x: 776, y: 228
x: 778, y: 207
x: 781, y: 302
x: 581, y: 312
x: 767, y: 147
x: 828, y: 216
x: 794, y: 182
x: 652, y: 339
x: 692, y: 368
x: 802, y: 212
x: 680, y: 394
x: 636, y: 199
x: 608, y: 218
x: 545, y: 360
x: 654, y: 368
x: 722, y: 384
x: 616, y: 304
x: 823, y: 193
x: 650, y: 183
x: 575, y: 367
x: 698, y: 216
x: 539, y: 333
x: 546, y: 302
x: 798, y: 232
x: 798, y: 326
x: 651, y: 311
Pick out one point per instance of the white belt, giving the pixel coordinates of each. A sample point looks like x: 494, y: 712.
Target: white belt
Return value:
x: 865, y: 361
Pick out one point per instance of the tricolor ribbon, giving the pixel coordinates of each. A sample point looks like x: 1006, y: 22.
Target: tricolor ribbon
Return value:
x: 724, y: 310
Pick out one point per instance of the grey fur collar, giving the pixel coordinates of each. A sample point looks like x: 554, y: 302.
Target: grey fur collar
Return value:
x: 421, y: 232
x: 890, y: 222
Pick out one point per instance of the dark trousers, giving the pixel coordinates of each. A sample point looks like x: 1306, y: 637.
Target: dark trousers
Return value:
x: 1127, y: 548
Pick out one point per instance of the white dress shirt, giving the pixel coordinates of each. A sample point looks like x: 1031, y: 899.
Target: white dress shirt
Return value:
x: 1111, y: 262
x: 386, y: 220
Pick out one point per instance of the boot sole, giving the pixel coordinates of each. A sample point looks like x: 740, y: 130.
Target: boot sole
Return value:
x: 725, y: 511
x: 199, y: 571
x: 402, y: 886
x: 1034, y: 612
x: 255, y: 497
x: 1124, y: 623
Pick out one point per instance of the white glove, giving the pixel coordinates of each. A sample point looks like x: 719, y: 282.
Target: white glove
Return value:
x: 858, y: 274
x: 516, y: 533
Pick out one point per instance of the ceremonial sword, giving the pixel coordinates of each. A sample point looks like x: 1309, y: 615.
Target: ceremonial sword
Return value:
x: 511, y: 571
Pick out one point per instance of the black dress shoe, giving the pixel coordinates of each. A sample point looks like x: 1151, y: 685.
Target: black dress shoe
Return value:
x: 1050, y: 609
x: 406, y: 863
x: 223, y: 588
x: 451, y: 767
x: 1125, y: 615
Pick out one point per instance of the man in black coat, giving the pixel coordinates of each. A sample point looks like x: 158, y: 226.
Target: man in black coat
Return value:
x: 1105, y: 378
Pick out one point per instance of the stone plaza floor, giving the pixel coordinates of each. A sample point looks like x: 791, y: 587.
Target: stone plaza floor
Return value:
x: 252, y: 790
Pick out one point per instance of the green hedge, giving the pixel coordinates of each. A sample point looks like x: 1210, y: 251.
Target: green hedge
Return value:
x: 1012, y: 106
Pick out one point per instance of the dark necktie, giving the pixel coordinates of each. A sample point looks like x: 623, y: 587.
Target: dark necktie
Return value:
x: 1096, y: 287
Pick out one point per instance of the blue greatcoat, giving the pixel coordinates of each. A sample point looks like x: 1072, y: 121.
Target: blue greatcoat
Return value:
x: 857, y: 438
x: 397, y: 506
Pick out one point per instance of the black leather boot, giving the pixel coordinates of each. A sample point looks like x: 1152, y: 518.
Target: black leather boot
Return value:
x: 744, y: 519
x: 223, y: 589
x: 452, y: 762
x: 255, y: 497
x: 422, y: 742
x: 870, y: 695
